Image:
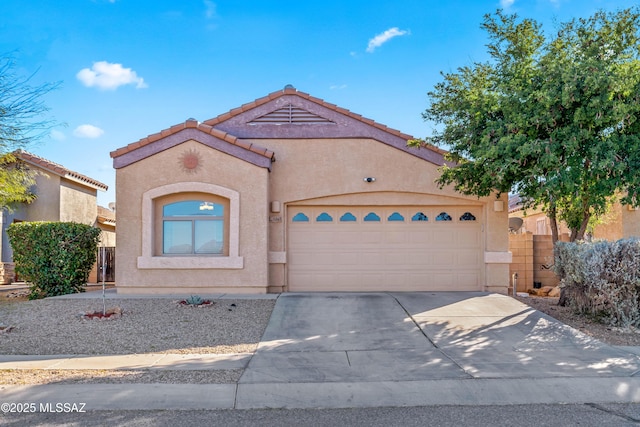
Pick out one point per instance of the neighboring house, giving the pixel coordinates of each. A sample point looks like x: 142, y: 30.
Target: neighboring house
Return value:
x: 62, y: 195
x: 291, y: 193
x: 620, y: 222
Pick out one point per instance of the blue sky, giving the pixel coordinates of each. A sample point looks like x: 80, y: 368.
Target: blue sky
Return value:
x: 130, y: 68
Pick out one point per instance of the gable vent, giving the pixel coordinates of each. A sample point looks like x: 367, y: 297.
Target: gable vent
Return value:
x: 290, y: 115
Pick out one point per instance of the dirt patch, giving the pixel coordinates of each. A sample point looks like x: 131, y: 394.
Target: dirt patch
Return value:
x: 607, y: 334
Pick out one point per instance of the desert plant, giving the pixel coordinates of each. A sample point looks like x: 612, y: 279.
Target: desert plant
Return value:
x: 194, y: 300
x: 602, y: 279
x: 54, y: 257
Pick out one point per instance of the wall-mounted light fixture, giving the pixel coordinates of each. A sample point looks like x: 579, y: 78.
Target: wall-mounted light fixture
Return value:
x: 369, y: 179
x: 498, y: 206
x: 275, y: 206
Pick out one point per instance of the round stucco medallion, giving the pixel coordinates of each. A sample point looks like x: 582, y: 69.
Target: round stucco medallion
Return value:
x: 190, y: 161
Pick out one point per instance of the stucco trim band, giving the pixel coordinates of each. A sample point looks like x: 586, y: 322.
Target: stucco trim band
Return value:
x: 148, y: 261
x: 498, y: 257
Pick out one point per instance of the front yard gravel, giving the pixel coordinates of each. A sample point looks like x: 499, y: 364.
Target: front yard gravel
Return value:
x: 56, y: 326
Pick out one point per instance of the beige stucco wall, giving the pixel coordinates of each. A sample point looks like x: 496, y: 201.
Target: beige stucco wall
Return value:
x: 46, y: 207
x: 332, y: 172
x: 77, y: 203
x: 217, y: 168
x: 107, y: 235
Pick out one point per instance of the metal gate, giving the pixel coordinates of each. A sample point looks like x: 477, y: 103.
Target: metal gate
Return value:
x: 106, y: 264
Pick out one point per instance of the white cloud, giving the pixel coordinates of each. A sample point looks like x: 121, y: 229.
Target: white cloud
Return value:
x: 88, y: 131
x: 506, y: 4
x: 382, y: 38
x: 105, y: 75
x: 337, y: 87
x: 57, y: 135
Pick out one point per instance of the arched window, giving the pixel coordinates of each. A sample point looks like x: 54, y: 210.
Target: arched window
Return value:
x: 419, y: 216
x: 467, y: 216
x: 203, y: 255
x: 395, y: 217
x: 347, y: 217
x: 193, y: 227
x: 300, y: 217
x: 443, y: 216
x: 324, y: 217
x: 371, y: 216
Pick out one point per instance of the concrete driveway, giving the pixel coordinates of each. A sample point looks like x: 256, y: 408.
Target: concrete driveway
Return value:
x: 374, y: 337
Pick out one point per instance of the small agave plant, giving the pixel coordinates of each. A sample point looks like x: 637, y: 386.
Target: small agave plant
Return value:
x: 194, y: 300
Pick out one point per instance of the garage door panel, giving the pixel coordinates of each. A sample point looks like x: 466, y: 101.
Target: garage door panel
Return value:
x: 444, y: 237
x: 371, y: 259
x: 371, y: 237
x: 420, y: 236
x: 394, y: 253
x: 395, y: 237
x: 346, y: 258
x: 444, y: 259
x: 467, y: 259
x: 468, y: 237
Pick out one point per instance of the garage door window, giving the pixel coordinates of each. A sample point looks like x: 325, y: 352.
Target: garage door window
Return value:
x: 300, y: 217
x: 395, y: 217
x: 324, y: 217
x: 443, y: 216
x: 419, y: 216
x: 467, y: 216
x: 371, y: 216
x: 348, y: 217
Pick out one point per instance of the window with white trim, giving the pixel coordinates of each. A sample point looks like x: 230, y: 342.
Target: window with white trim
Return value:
x: 153, y: 200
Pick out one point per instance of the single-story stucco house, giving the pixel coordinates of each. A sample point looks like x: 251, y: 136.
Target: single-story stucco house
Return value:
x: 291, y: 193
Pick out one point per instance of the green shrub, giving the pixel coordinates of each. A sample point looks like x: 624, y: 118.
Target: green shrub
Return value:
x: 602, y: 279
x: 54, y: 257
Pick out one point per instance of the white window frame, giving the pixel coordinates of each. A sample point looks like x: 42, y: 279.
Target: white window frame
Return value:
x: 148, y: 261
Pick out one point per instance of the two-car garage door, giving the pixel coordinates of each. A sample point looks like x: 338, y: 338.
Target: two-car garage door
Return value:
x: 378, y: 248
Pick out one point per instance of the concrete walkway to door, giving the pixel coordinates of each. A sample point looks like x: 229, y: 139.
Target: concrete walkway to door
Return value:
x: 408, y: 348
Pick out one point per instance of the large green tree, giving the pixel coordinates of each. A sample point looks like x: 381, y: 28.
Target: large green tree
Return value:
x: 555, y: 119
x: 23, y: 122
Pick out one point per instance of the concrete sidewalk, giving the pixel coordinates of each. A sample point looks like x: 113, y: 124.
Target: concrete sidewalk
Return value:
x: 369, y: 350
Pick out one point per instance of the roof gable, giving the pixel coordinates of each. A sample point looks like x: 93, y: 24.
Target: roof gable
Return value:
x: 192, y: 130
x: 290, y: 113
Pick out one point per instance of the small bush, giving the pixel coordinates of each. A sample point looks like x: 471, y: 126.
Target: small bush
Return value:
x: 54, y: 257
x: 602, y: 279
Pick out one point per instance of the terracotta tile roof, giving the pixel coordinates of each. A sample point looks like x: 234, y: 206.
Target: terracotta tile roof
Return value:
x: 106, y: 216
x: 515, y: 203
x: 193, y: 124
x: 289, y: 90
x: 60, y: 170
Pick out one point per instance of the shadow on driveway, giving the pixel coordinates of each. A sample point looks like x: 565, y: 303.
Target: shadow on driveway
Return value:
x: 362, y: 337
